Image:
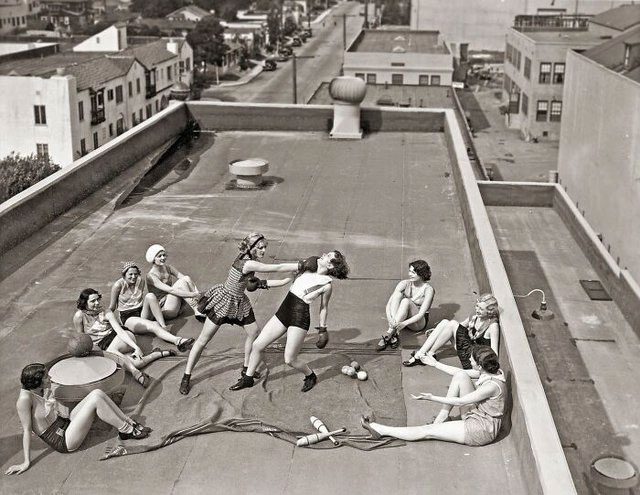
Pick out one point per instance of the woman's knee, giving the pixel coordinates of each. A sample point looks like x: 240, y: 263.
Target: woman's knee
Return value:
x: 97, y: 395
x: 150, y: 298
x: 461, y: 377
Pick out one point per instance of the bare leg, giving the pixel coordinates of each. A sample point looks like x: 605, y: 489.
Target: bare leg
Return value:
x: 271, y: 332
x: 252, y: 333
x: 400, y: 314
x: 172, y: 303
x: 142, y: 326
x: 418, y: 325
x: 452, y: 431
x: 295, y: 339
x: 209, y: 329
x: 120, y: 347
x: 460, y: 385
x: 440, y: 334
x: 151, y: 307
x: 96, y: 403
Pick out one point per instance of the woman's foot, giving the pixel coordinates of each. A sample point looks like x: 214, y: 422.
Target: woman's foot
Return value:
x: 140, y: 427
x: 135, y: 434
x: 185, y: 386
x: 256, y: 374
x: 383, y: 343
x: 244, y: 382
x: 143, y: 379
x: 185, y: 344
x: 413, y: 361
x: 309, y: 382
x: 394, y: 341
x: 164, y: 352
x: 365, y: 421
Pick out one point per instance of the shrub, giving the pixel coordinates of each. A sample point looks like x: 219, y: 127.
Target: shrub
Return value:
x: 17, y: 173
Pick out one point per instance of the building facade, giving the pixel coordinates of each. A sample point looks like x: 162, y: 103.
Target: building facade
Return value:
x: 399, y: 57
x: 534, y: 70
x: 14, y: 14
x: 599, y: 157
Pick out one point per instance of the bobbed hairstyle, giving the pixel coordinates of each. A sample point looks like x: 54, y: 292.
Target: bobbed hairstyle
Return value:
x: 340, y: 268
x: 32, y: 375
x: 248, y: 243
x: 486, y: 358
x: 493, y: 310
x: 81, y: 303
x: 422, y: 269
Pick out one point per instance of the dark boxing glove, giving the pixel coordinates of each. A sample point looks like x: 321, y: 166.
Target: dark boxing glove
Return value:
x: 254, y: 283
x: 323, y: 337
x: 309, y: 264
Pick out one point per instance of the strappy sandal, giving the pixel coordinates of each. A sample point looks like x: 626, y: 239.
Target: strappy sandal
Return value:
x: 185, y: 344
x: 383, y: 343
x: 413, y: 361
x: 134, y: 435
x: 143, y: 379
x: 365, y: 423
x: 394, y: 341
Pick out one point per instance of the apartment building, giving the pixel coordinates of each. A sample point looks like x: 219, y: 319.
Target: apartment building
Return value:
x: 15, y: 13
x: 399, y: 57
x: 535, y: 62
x: 67, y: 14
x: 71, y: 103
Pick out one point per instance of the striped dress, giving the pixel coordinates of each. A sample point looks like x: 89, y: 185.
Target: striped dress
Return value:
x: 228, y: 303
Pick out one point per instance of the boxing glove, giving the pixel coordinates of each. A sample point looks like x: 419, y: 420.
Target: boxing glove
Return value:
x: 254, y: 283
x: 309, y: 264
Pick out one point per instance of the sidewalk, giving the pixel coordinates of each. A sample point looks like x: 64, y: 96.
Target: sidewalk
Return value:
x: 248, y: 77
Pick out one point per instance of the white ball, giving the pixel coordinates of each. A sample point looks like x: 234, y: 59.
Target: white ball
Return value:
x: 350, y: 371
x: 345, y: 370
x: 362, y: 375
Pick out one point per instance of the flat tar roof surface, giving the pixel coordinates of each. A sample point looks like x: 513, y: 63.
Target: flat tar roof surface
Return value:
x: 383, y: 201
x: 381, y: 41
x: 568, y: 36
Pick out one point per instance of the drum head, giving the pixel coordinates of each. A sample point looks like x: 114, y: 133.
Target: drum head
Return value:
x: 80, y: 371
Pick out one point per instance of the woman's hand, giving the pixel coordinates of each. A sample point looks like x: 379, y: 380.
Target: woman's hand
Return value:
x: 399, y: 325
x: 429, y: 360
x: 137, y: 353
x: 422, y: 396
x: 18, y: 468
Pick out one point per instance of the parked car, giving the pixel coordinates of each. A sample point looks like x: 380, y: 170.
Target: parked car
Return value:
x: 286, y: 51
x: 308, y: 32
x: 296, y: 41
x: 270, y: 64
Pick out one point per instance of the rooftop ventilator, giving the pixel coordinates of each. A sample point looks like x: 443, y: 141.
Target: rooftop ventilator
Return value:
x: 348, y: 92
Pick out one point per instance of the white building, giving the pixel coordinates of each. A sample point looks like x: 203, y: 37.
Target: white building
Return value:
x: 73, y: 102
x: 399, y: 57
x: 14, y: 14
x: 188, y: 13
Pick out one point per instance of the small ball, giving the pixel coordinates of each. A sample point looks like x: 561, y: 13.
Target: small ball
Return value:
x: 345, y: 370
x: 355, y: 365
x: 351, y: 372
x: 362, y: 375
x: 80, y: 345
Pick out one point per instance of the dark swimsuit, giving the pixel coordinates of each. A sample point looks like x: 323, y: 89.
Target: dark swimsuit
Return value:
x: 54, y: 436
x: 294, y: 312
x: 466, y: 342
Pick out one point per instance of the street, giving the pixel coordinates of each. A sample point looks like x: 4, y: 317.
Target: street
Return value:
x: 326, y: 48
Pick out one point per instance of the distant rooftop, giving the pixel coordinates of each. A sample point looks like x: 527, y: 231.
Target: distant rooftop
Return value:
x: 611, y: 54
x: 191, y: 9
x: 150, y: 53
x: 46, y: 66
x: 563, y: 36
x: 620, y: 18
x: 526, y: 23
x: 400, y: 41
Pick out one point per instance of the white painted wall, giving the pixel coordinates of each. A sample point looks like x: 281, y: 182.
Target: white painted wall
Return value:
x: 112, y: 39
x: 599, y: 158
x: 415, y: 64
x: 15, y: 11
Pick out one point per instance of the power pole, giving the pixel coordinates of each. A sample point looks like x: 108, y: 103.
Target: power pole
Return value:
x: 366, y: 14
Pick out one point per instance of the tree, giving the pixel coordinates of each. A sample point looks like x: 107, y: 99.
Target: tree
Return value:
x: 290, y: 26
x: 207, y: 41
x: 17, y: 173
x: 273, y: 26
x: 156, y: 8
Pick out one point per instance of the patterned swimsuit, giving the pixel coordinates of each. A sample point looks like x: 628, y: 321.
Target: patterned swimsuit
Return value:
x: 228, y: 303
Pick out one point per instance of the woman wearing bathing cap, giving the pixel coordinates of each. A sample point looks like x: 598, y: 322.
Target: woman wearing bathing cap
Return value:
x: 136, y: 306
x: 228, y: 303
x: 169, y: 285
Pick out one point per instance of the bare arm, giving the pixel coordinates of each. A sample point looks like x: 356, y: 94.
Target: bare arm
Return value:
x: 120, y: 332
x: 486, y: 390
x: 116, y: 288
x: 279, y: 282
x: 394, y: 299
x: 450, y: 370
x: 311, y: 296
x: 152, y: 279
x: 257, y: 266
x: 78, y: 324
x: 324, y: 305
x: 24, y: 413
x: 424, y: 307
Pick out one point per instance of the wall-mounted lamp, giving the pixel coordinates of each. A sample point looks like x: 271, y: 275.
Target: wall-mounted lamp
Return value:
x: 542, y: 313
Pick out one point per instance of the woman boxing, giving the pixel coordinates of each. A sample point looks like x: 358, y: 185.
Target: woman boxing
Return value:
x: 228, y: 303
x: 293, y: 317
x: 38, y: 413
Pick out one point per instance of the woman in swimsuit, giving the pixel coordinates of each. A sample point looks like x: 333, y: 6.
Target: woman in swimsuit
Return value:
x: 228, y: 303
x: 481, y: 404
x: 135, y: 306
x: 293, y: 318
x: 481, y: 328
x: 108, y: 335
x: 169, y: 285
x: 409, y: 304
x: 38, y: 413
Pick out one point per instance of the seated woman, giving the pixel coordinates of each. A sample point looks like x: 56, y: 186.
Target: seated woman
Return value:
x: 293, y: 317
x: 482, y: 407
x: 409, y: 304
x: 135, y: 305
x: 481, y: 328
x: 169, y: 285
x: 37, y: 410
x: 108, y: 335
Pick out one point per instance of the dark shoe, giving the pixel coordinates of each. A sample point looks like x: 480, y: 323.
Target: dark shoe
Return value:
x: 140, y: 427
x: 309, y: 382
x: 185, y: 345
x: 185, y: 386
x: 394, y: 342
x: 364, y: 421
x: 164, y: 352
x: 143, y: 379
x: 382, y: 343
x: 413, y: 361
x: 244, y: 382
x: 134, y: 435
x: 256, y: 374
x: 200, y: 317
x: 323, y: 339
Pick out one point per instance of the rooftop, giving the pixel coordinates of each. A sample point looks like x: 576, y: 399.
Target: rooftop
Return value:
x: 149, y: 54
x: 46, y: 66
x: 192, y: 9
x: 611, y: 54
x: 620, y: 18
x: 398, y: 41
x: 563, y: 37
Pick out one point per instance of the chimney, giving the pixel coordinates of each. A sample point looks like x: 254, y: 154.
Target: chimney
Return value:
x: 173, y: 47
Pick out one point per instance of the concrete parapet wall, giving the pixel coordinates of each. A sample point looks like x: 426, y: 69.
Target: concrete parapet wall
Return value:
x: 32, y: 209
x: 221, y: 116
x: 500, y: 193
x: 618, y: 282
x: 544, y: 466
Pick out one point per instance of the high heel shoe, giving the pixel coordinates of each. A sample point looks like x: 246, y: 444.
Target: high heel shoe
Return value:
x: 365, y: 423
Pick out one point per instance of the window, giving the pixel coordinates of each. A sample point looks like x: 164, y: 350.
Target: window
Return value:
x: 140, y: 115
x: 371, y: 78
x: 120, y: 126
x: 541, y: 112
x: 157, y: 105
x: 558, y: 73
x: 110, y: 95
x: 360, y: 75
x: 556, y: 111
x: 119, y: 94
x: 509, y: 53
x: 435, y: 80
x: 138, y: 85
x: 42, y: 150
x: 423, y: 80
x: 181, y: 66
x: 169, y: 73
x: 110, y: 130
x: 83, y: 147
x: 130, y: 89
x: 96, y: 143
x: 80, y: 111
x: 518, y: 59
x: 525, y: 104
x: 514, y: 100
x: 397, y: 79
x: 133, y: 119
x: 527, y: 67
x: 40, y: 114
x: 545, y: 73
x: 187, y: 64
x: 507, y: 84
x: 397, y: 64
x: 149, y: 110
